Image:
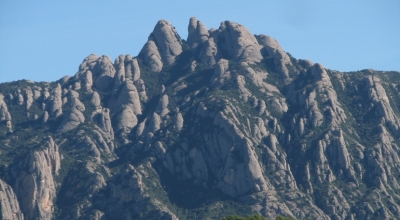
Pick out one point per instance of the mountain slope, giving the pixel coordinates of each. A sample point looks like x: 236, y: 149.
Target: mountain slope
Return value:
x: 223, y: 122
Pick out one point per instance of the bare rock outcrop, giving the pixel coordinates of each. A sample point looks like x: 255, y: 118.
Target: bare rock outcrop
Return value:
x: 239, y: 43
x: 35, y: 185
x: 3, y: 109
x: 95, y: 71
x: 132, y: 67
x: 126, y: 120
x: 126, y: 105
x: 152, y: 56
x: 378, y: 96
x: 168, y: 41
x: 322, y: 98
x: 209, y: 53
x: 162, y: 47
x: 120, y: 74
x: 127, y: 68
x: 132, y: 191
x: 55, y: 102
x: 86, y: 69
x: 141, y: 87
x: 179, y: 121
x: 341, y: 155
x: 221, y: 73
x: 243, y: 91
x: 162, y: 107
x: 238, y: 123
x: 9, y: 203
x: 104, y: 122
x: 95, y: 100
x: 20, y: 97
x: 197, y: 33
x: 29, y: 97
x: 155, y: 122
x: 74, y: 117
x: 272, y: 47
x: 105, y: 74
x: 86, y: 79
x: 382, y: 160
x: 5, y: 114
x: 45, y: 117
x: 128, y: 97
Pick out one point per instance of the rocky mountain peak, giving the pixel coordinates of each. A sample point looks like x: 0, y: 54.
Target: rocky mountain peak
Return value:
x: 225, y: 122
x: 163, y: 46
x: 239, y: 43
x: 197, y: 33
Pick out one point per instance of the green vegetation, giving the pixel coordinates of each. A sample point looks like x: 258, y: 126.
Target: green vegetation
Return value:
x: 255, y: 217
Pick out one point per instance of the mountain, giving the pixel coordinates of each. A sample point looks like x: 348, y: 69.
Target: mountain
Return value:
x: 225, y: 122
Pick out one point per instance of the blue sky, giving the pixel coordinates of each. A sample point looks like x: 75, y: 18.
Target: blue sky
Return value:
x: 46, y: 40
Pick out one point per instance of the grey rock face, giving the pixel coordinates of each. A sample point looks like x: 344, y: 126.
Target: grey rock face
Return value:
x: 135, y: 70
x: 197, y: 33
x: 129, y: 97
x: 55, y: 102
x: 167, y: 40
x: 86, y: 69
x: 95, y: 100
x: 75, y: 116
x: 127, y: 106
x: 234, y: 124
x: 120, y: 71
x: 105, y: 75
x: 208, y: 54
x: 133, y: 192
x: 240, y: 44
x: 152, y: 56
x: 95, y: 71
x: 378, y: 96
x: 9, y: 203
x: 221, y: 73
x: 20, y: 98
x: 105, y: 122
x: 127, y: 119
x: 155, y: 122
x: 272, y: 47
x: 4, y: 114
x: 179, y: 121
x: 325, y: 92
x: 29, y: 97
x: 162, y: 107
x: 35, y: 185
x: 45, y: 117
x: 163, y: 46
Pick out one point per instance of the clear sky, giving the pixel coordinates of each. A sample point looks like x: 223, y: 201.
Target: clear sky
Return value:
x: 46, y: 40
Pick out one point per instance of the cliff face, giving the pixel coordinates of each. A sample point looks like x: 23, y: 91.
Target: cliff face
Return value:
x: 223, y: 122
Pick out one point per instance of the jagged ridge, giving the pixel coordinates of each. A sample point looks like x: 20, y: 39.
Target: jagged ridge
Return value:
x: 224, y: 120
